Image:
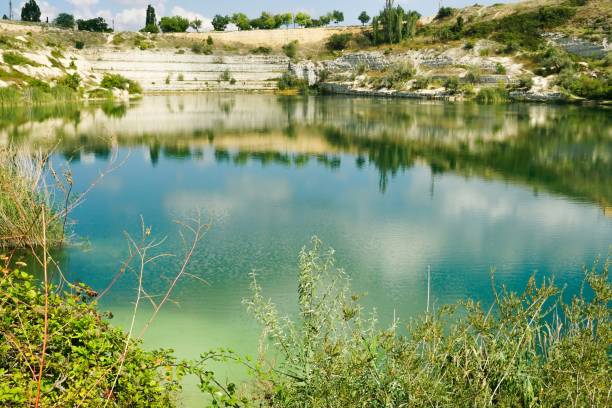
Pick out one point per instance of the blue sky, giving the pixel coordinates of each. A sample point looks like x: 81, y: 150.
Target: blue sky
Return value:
x: 130, y: 14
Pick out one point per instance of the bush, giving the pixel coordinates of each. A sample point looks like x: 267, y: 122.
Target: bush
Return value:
x: 473, y: 75
x: 469, y: 45
x: 529, y: 349
x: 497, y: 94
x: 97, y: 25
x: 83, y: 353
x: 201, y: 48
x: 525, y: 82
x: 452, y: 85
x: 338, y: 42
x: 225, y: 76
x: 14, y: 58
x: 64, y: 20
x: 209, y: 40
x: 500, y: 69
x: 262, y: 50
x: 421, y: 82
x: 79, y: 45
x: 291, y: 49
x: 110, y: 81
x: 552, y: 61
x: 290, y: 81
x: 175, y: 24
x: 395, y: 77
x: 150, y: 28
x: 585, y: 86
x: 444, y: 12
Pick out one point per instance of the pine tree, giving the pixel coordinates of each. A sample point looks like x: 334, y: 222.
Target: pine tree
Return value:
x: 30, y: 12
x: 151, y: 18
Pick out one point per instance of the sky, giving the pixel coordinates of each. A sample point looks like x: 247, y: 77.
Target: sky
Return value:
x: 130, y: 14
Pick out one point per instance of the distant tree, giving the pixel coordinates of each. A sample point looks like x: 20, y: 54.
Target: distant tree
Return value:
x: 151, y: 18
x: 64, y: 20
x: 30, y: 12
x: 196, y: 24
x: 302, y: 19
x: 266, y: 21
x: 5, y: 17
x: 285, y: 19
x: 241, y: 20
x: 150, y: 28
x: 174, y: 24
x: 364, y: 18
x: 444, y: 12
x: 337, y: 16
x: 220, y: 22
x: 97, y: 25
x: 209, y: 40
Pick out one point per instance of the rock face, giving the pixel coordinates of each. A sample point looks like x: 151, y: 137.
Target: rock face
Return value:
x: 169, y: 72
x: 579, y: 46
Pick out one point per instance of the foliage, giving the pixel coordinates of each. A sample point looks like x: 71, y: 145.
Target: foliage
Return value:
x: 72, y: 81
x: 529, y: 349
x: 64, y: 20
x: 225, y: 76
x: 220, y: 22
x: 469, y: 45
x: 241, y: 20
x: 586, y: 86
x: 496, y: 94
x: 83, y: 353
x: 30, y: 12
x: 552, y: 60
x: 444, y: 12
x: 151, y: 19
x: 452, y: 85
x: 302, y: 19
x: 110, y: 81
x: 364, y: 17
x: 393, y: 24
x: 500, y: 69
x: 201, y: 48
x: 261, y: 50
x: 267, y: 21
x: 209, y: 40
x: 96, y: 25
x: 338, y: 42
x: 174, y: 24
x: 79, y: 45
x: 14, y: 58
x: 421, y: 82
x: 290, y: 81
x: 395, y: 76
x: 291, y: 49
x: 150, y: 28
x: 337, y: 16
x: 525, y: 82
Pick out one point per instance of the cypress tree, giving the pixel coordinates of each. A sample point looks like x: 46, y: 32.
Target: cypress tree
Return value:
x: 30, y: 12
x: 151, y: 19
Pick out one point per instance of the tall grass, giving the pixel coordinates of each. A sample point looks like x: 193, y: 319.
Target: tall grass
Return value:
x: 529, y: 350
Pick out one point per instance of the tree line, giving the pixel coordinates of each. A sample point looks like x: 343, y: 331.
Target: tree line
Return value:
x: 392, y: 25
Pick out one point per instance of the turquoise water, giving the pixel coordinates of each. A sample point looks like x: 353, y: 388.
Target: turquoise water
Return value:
x: 394, y: 186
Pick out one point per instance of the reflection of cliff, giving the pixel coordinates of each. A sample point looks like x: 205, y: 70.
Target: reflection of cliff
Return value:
x: 563, y: 149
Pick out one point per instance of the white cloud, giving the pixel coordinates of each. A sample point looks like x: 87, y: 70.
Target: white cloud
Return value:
x: 132, y: 18
x: 83, y: 3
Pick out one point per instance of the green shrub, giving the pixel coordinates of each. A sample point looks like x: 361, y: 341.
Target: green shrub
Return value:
x: 497, y: 94
x: 14, y: 58
x: 338, y: 42
x: 525, y: 82
x: 473, y: 75
x: 552, y: 61
x: 225, y: 76
x: 209, y: 40
x: 180, y: 77
x: 79, y: 45
x: 500, y: 69
x: 524, y: 350
x: 444, y: 12
x: 150, y: 28
x: 395, y: 76
x: 290, y: 81
x: 586, y: 86
x: 291, y: 49
x: 37, y: 83
x: 71, y: 81
x: 57, y: 54
x: 452, y: 85
x: 469, y: 45
x: 421, y: 82
x: 262, y: 50
x: 110, y: 81
x: 201, y: 48
x: 83, y: 353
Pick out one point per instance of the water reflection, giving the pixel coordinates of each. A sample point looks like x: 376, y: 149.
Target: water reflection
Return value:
x: 559, y: 149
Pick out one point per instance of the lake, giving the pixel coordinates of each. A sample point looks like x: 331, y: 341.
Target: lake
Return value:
x: 394, y: 186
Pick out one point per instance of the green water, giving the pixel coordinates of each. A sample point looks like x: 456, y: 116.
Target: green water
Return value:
x: 394, y: 186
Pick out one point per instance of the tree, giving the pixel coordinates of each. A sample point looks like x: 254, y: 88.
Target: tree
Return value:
x: 64, y: 20
x: 5, y: 17
x: 364, y: 18
x: 302, y: 19
x: 175, y: 24
x: 97, y: 25
x: 196, y: 24
x: 220, y: 22
x: 393, y: 24
x: 241, y: 20
x: 150, y: 28
x: 151, y: 18
x: 30, y: 12
x: 337, y: 16
x: 325, y: 20
x: 284, y: 19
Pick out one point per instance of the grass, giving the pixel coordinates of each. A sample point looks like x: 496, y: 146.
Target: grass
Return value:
x: 497, y: 94
x: 14, y: 58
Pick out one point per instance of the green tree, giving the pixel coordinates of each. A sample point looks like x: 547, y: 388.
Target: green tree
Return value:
x: 64, y: 20
x: 97, y: 25
x: 151, y: 18
x: 196, y: 24
x: 241, y: 20
x: 175, y: 24
x: 302, y: 19
x: 285, y: 18
x: 337, y: 16
x: 220, y: 22
x: 364, y: 18
x: 30, y: 12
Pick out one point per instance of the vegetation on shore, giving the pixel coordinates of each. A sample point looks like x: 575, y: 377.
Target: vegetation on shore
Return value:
x: 529, y: 349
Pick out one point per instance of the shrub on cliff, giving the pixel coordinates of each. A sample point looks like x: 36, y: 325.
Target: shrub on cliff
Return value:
x: 338, y: 42
x: 110, y: 81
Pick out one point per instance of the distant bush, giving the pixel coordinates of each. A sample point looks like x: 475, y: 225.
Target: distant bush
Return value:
x: 291, y: 49
x: 201, y: 48
x: 395, y: 76
x: 421, y: 82
x: 552, y: 61
x: 262, y: 50
x: 586, y: 86
x: 175, y: 24
x: 14, y: 58
x: 290, y: 81
x: 473, y: 75
x: 150, y: 28
x: 497, y: 94
x: 469, y: 45
x: 338, y: 42
x: 452, y: 85
x: 97, y: 25
x: 225, y: 76
x: 444, y: 12
x: 209, y: 40
x: 64, y: 20
x: 500, y: 69
x: 110, y: 81
x: 79, y: 45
